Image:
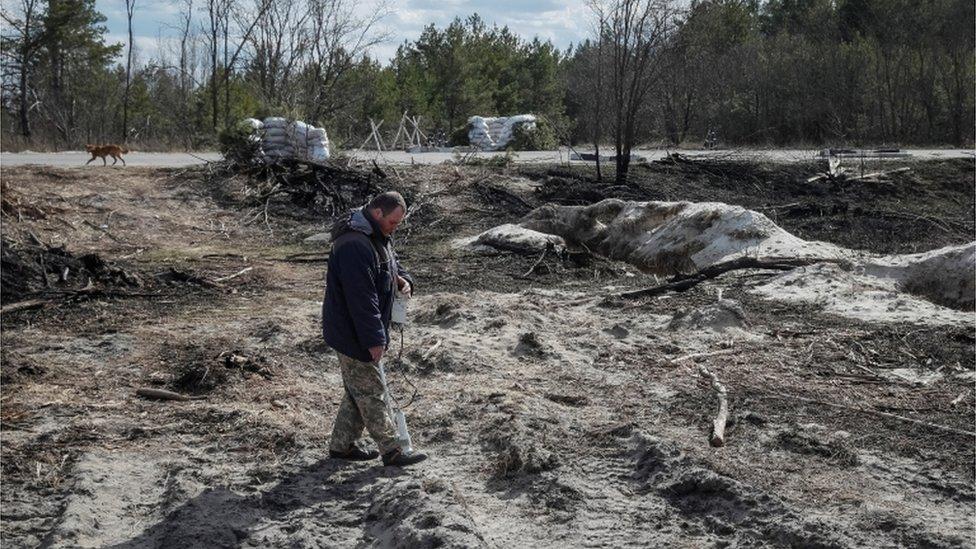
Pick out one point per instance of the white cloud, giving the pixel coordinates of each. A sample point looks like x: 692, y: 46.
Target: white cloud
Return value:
x: 562, y: 22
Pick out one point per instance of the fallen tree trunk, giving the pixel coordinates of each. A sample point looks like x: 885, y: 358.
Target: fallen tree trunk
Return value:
x: 680, y: 283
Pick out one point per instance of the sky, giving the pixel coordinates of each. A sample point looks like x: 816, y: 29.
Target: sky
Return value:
x: 563, y: 22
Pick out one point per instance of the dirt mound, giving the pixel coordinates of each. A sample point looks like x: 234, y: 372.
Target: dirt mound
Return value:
x: 669, y: 238
x: 529, y: 345
x: 443, y: 311
x: 422, y: 513
x: 935, y: 287
x: 516, y: 451
x: 718, y: 317
x: 944, y: 276
x: 206, y: 366
x: 723, y: 507
x: 860, y: 296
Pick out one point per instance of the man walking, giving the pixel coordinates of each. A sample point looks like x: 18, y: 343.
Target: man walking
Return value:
x: 362, y: 279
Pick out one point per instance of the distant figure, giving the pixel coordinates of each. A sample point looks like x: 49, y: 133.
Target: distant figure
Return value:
x: 115, y: 151
x: 711, y: 138
x: 362, y: 279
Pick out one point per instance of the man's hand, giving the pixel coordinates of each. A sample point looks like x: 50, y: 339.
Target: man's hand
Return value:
x: 404, y: 285
x: 376, y: 353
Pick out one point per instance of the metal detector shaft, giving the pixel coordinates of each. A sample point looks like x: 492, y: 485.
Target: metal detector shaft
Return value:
x: 396, y: 416
x: 386, y: 392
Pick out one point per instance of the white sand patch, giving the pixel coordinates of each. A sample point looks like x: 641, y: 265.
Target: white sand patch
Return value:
x: 108, y: 486
x: 859, y: 296
x: 485, y: 332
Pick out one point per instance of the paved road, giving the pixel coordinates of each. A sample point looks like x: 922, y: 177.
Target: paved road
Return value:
x: 77, y: 158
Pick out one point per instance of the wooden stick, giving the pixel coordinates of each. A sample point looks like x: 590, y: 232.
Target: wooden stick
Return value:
x: 55, y: 296
x: 430, y: 351
x: 22, y: 305
x: 376, y: 137
x: 293, y: 259
x: 235, y: 275
x: 538, y: 261
x: 699, y: 355
x: 307, y: 254
x: 163, y: 394
x: 877, y: 413
x: 400, y: 130
x: 717, y: 438
x: 878, y: 174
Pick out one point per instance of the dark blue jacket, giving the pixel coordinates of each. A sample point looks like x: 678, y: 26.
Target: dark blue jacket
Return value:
x: 359, y: 287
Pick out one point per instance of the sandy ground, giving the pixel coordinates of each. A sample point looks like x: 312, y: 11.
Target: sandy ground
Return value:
x: 136, y: 158
x: 554, y: 413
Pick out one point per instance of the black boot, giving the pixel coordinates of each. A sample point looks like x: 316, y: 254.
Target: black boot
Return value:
x: 355, y: 453
x: 396, y: 458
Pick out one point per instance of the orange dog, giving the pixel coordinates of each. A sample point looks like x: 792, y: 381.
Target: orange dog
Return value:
x: 115, y: 151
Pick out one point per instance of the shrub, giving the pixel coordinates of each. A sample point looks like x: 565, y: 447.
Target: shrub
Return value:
x: 459, y: 137
x: 239, y: 144
x: 542, y: 138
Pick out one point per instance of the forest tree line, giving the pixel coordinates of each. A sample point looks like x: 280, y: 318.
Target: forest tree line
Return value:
x: 777, y: 72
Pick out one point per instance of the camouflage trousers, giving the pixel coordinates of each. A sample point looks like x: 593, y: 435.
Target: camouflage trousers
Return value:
x: 362, y: 406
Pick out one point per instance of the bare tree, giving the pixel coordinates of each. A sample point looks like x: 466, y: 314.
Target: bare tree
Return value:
x: 279, y: 43
x: 19, y: 49
x: 636, y: 33
x: 596, y: 92
x: 130, y: 6
x: 245, y: 23
x: 217, y: 13
x: 586, y: 83
x: 338, y: 37
x: 186, y: 81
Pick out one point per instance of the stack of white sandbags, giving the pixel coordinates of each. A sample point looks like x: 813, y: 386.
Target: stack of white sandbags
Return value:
x: 274, y: 141
x: 254, y: 127
x: 496, y: 133
x: 297, y: 139
x: 478, y: 134
x: 253, y: 123
x: 310, y: 143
